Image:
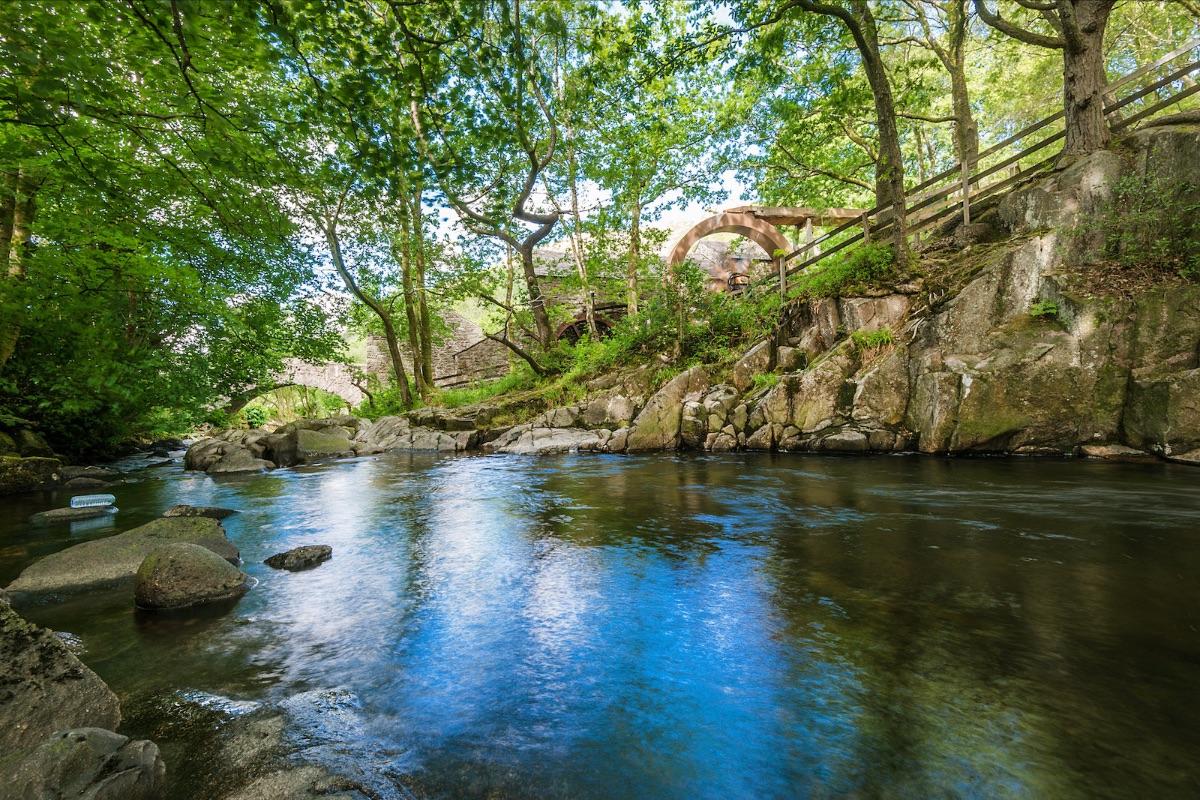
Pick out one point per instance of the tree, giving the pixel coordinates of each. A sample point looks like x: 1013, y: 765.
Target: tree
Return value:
x: 946, y: 36
x: 1077, y: 29
x: 859, y: 21
x: 653, y: 134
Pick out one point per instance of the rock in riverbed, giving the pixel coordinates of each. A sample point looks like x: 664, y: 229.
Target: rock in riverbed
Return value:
x: 183, y: 575
x: 212, y: 512
x: 70, y: 514
x: 114, y: 561
x: 299, y: 558
x: 89, y: 763
x: 44, y: 688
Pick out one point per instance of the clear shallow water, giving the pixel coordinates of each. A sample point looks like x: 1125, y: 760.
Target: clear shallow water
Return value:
x: 687, y: 627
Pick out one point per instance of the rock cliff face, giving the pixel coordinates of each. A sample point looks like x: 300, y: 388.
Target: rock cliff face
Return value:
x: 972, y: 371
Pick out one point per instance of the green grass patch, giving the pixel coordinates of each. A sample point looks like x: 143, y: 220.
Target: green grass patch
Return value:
x: 864, y: 268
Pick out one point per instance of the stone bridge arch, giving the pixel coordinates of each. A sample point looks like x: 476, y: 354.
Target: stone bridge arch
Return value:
x: 332, y: 377
x: 757, y: 230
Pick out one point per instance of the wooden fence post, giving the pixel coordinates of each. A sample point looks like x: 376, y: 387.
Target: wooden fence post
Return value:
x: 782, y: 279
x: 866, y: 229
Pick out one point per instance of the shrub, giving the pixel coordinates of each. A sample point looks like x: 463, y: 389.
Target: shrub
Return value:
x: 863, y: 268
x: 256, y: 416
x: 1148, y: 222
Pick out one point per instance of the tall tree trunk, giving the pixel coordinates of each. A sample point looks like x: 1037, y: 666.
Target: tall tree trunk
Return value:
x: 1080, y: 25
x: 635, y: 256
x: 16, y: 227
x: 410, y: 303
x: 537, y: 300
x: 1084, y: 75
x: 418, y: 256
x: 889, y: 172
x: 381, y: 311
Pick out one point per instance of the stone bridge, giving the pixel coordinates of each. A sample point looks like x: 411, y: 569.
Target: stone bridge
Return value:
x: 332, y: 377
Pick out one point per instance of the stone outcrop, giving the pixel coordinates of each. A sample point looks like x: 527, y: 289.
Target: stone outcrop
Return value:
x: 114, y: 560
x: 300, y: 558
x: 657, y: 427
x: 89, y: 763
x: 44, y: 688
x: 27, y: 474
x: 182, y: 575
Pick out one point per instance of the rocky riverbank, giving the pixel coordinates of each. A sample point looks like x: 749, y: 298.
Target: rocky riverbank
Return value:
x: 954, y: 362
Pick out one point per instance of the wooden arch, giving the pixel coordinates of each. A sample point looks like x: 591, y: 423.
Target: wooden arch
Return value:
x: 762, y: 233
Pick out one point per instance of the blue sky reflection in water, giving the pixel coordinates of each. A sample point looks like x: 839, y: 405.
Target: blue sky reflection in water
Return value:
x: 693, y: 627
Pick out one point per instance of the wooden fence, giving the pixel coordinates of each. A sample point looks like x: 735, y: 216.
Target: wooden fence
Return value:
x: 995, y: 169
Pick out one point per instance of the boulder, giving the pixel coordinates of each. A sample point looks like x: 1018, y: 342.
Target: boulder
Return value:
x: 86, y: 763
x: 30, y: 445
x: 758, y: 360
x: 8, y: 445
x: 106, y: 474
x: 299, y: 558
x: 44, y: 688
x: 27, y: 474
x: 84, y: 483
x: 181, y: 575
x: 657, y: 426
x: 610, y: 412
x: 238, y: 458
x: 216, y: 456
x: 544, y: 441
x: 1116, y: 452
x: 70, y: 514
x: 303, y: 445
x: 212, y: 512
x: 114, y: 561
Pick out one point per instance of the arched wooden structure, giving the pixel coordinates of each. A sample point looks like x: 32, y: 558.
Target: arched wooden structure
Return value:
x: 762, y: 233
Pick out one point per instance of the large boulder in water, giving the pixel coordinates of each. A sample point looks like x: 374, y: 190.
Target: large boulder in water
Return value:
x: 184, y: 510
x: 299, y: 558
x: 27, y: 474
x: 114, y: 561
x: 217, y: 456
x: 86, y: 763
x: 182, y: 575
x: 302, y: 445
x: 44, y: 688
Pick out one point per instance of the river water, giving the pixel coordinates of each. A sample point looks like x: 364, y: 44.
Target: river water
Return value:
x: 749, y: 626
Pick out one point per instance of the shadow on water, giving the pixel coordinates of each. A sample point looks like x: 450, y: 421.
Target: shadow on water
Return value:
x: 682, y: 627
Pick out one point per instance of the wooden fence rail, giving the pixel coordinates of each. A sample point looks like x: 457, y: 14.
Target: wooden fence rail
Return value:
x: 969, y: 180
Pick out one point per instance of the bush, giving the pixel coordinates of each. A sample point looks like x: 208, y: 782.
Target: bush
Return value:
x: 863, y: 268
x: 1149, y: 223
x: 256, y: 416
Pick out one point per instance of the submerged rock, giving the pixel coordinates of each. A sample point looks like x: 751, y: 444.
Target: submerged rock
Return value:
x: 114, y: 561
x: 106, y: 474
x: 44, y: 688
x: 70, y: 514
x: 212, y: 512
x: 89, y: 763
x: 182, y: 575
x: 299, y: 558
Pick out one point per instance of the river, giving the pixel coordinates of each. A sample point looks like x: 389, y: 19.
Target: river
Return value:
x: 741, y: 626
